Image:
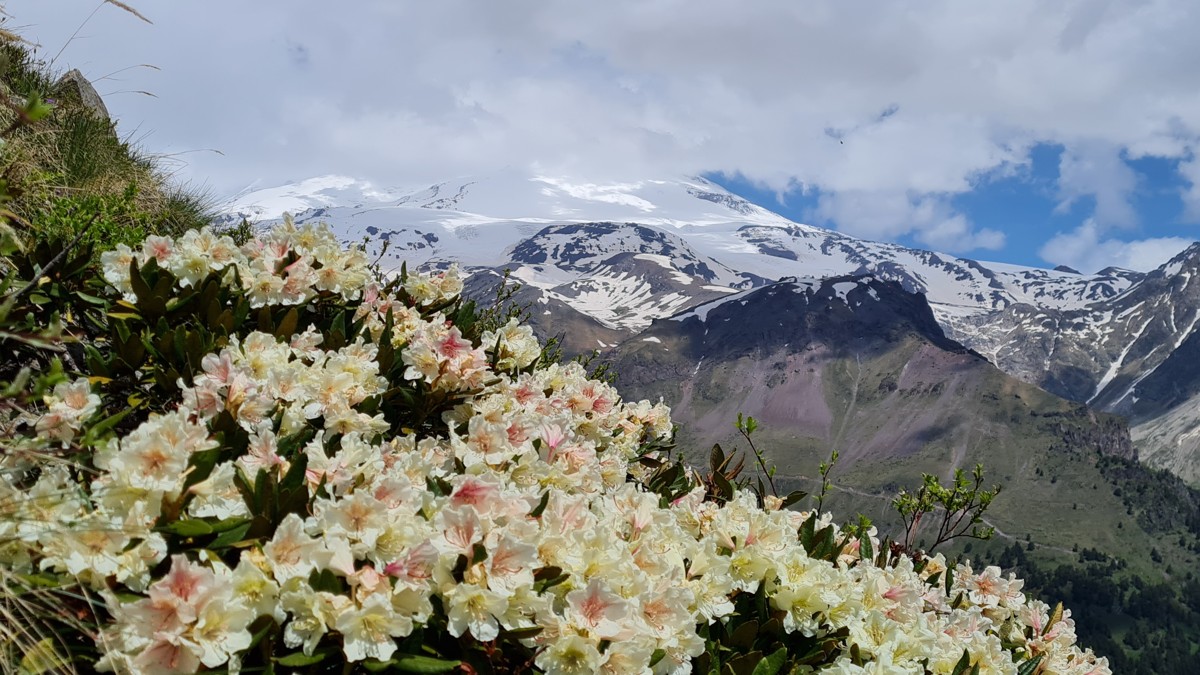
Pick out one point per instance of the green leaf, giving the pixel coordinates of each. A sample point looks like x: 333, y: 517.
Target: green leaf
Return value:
x: 716, y: 459
x: 325, y: 580
x: 202, y: 464
x: 100, y: 429
x: 541, y: 505
x: 299, y: 659
x: 479, y: 553
x: 963, y: 665
x: 524, y: 633
x: 294, y: 478
x: 287, y: 325
x: 187, y: 528
x: 744, y: 635
x: 1055, y: 617
x: 771, y: 664
x: 865, y: 550
x: 230, y: 524
x: 723, y: 486
x: 793, y: 497
x: 40, y: 580
x: 415, y: 663
x: 231, y: 536
x: 42, y: 657
x: 1031, y: 665
x: 745, y: 664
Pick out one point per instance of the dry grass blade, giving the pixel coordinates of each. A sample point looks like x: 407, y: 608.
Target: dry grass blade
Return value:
x: 127, y: 8
x: 143, y: 92
x: 35, y: 628
x: 10, y: 36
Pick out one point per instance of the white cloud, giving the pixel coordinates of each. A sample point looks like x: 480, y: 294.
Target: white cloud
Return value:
x: 1097, y: 171
x: 878, y: 214
x: 786, y: 93
x: 955, y: 234
x: 1086, y: 249
x: 1190, y: 170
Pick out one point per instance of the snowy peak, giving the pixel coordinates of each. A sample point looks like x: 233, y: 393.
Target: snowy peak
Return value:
x: 321, y: 192
x: 1186, y: 262
x: 515, y: 195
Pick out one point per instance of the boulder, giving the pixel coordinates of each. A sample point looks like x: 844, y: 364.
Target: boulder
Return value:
x: 74, y: 86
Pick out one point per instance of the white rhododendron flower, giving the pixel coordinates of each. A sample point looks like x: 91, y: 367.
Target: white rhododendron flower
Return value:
x: 67, y: 408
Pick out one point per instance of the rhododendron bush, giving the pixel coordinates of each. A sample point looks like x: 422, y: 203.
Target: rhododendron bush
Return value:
x: 274, y: 459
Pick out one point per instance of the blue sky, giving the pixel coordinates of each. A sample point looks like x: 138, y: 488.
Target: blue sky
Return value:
x: 1023, y: 131
x: 1023, y: 203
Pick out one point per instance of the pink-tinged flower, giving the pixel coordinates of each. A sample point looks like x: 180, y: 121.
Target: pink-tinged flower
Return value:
x: 510, y: 565
x: 666, y: 611
x: 552, y: 437
x: 160, y: 614
x: 192, y: 584
x: 517, y: 434
x: 159, y: 248
x: 261, y: 455
x: 277, y: 249
x: 525, y: 393
x: 598, y: 610
x: 461, y: 530
x: 292, y: 553
x: 475, y: 492
x: 218, y: 367
x: 167, y: 655
x: 366, y: 578
x: 415, y: 569
x: 452, y: 345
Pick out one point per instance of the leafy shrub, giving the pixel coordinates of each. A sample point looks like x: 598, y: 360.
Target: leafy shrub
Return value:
x: 272, y: 458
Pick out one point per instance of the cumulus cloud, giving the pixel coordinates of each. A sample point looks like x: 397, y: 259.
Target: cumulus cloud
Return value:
x: 1096, y: 170
x: 1190, y: 170
x: 1087, y: 249
x: 875, y: 102
x: 880, y: 214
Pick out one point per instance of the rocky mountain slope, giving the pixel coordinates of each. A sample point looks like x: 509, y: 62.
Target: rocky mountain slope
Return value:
x: 859, y: 365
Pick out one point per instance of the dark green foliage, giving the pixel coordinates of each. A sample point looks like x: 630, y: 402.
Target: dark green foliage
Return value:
x: 1144, y: 628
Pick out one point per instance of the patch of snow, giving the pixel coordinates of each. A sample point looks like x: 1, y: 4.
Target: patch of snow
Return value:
x: 841, y: 288
x: 1115, y: 367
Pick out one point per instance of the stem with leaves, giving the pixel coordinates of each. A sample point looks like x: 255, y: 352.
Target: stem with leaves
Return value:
x: 961, y: 504
x: 746, y: 426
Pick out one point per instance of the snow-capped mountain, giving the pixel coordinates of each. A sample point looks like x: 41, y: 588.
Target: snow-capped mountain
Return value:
x: 618, y: 256
x: 502, y: 219
x: 1103, y: 352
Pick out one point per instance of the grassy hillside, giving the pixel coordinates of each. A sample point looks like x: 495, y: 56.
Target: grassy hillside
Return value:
x: 65, y: 166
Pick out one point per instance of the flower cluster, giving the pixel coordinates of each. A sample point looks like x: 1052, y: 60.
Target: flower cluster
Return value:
x: 67, y: 408
x: 288, y: 266
x: 515, y: 514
